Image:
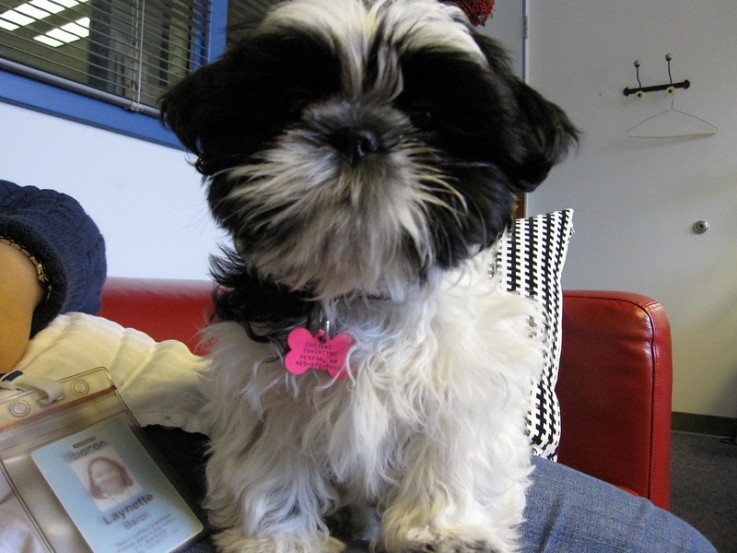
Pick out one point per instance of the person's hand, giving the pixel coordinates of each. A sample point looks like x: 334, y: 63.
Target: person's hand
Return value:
x: 20, y: 294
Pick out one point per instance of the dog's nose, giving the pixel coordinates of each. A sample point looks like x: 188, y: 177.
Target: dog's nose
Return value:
x: 356, y: 143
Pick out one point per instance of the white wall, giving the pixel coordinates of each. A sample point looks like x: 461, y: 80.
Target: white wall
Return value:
x: 636, y: 199
x: 146, y: 199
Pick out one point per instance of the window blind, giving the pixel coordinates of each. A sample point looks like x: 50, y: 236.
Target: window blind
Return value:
x: 124, y: 52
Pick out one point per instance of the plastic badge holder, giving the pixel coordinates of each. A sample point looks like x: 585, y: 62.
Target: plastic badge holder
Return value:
x: 86, y: 482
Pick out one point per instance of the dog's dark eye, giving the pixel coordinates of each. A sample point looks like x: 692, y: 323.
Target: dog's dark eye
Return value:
x: 423, y: 117
x: 296, y: 102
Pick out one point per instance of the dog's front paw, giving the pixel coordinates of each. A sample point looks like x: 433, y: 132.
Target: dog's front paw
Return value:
x: 459, y: 541
x: 234, y: 541
x: 453, y: 546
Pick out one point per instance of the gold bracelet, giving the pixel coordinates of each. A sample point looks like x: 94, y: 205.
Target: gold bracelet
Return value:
x: 40, y: 271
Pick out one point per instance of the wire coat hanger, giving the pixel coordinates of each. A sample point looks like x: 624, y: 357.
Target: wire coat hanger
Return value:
x: 672, y: 123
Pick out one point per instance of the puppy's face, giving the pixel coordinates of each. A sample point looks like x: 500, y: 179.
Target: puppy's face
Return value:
x: 358, y: 147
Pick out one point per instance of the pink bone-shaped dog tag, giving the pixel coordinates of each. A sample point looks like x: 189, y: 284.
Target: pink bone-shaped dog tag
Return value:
x: 319, y: 352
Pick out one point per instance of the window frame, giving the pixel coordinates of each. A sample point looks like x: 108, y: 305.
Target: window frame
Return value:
x: 56, y: 100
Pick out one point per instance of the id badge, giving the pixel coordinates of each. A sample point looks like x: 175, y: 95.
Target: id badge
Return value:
x: 84, y: 477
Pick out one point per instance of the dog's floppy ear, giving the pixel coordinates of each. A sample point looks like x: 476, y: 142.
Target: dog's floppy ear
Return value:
x: 546, y: 136
x: 542, y: 132
x: 189, y: 107
x: 201, y: 110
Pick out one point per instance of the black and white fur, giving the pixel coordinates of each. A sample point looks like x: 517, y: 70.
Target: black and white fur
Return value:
x: 365, y: 157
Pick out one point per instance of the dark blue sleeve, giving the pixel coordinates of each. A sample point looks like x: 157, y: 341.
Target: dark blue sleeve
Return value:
x: 59, y: 233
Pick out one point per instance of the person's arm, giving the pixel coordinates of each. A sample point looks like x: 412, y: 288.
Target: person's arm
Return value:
x: 55, y: 231
x: 20, y: 293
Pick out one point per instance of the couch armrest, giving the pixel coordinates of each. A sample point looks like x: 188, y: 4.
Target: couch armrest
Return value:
x: 614, y: 389
x: 165, y: 309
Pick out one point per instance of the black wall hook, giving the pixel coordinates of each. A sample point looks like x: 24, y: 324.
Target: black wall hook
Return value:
x: 670, y: 86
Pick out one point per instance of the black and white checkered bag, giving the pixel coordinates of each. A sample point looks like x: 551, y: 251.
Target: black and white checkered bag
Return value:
x: 530, y: 258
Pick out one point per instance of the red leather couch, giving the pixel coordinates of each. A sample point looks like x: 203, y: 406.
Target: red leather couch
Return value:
x: 614, y: 384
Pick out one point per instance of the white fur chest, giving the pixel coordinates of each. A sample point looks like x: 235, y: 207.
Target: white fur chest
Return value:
x: 449, y: 368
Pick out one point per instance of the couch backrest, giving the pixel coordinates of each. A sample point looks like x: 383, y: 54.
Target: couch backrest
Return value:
x: 163, y: 309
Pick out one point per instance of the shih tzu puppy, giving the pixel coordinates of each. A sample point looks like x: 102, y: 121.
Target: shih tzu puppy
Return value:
x: 365, y: 157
